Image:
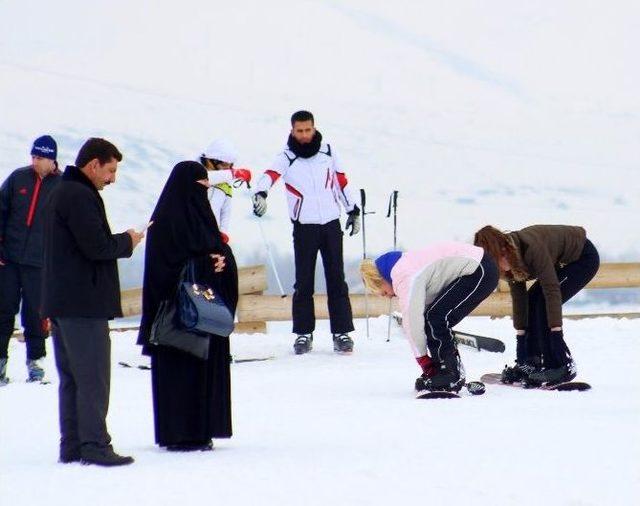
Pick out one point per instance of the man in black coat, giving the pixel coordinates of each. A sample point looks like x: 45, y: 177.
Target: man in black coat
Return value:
x: 21, y: 226
x: 81, y: 293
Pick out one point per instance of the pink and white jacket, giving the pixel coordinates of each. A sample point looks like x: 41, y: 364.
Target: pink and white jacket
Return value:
x: 316, y: 186
x: 419, y: 276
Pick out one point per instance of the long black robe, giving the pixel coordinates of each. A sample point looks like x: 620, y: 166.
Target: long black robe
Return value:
x: 191, y: 397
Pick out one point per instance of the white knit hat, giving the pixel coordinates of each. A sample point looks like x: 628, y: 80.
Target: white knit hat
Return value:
x: 222, y: 150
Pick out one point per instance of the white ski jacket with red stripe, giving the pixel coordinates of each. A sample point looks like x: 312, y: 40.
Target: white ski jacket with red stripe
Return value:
x: 315, y: 186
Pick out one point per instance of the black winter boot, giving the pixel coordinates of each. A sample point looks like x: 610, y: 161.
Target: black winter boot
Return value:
x: 102, y: 456
x: 557, y: 375
x: 342, y: 343
x: 303, y: 344
x: 520, y: 371
x: 449, y: 377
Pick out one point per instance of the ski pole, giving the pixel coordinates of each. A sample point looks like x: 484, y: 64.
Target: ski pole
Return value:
x: 393, y: 204
x: 271, y: 259
x: 268, y: 248
x: 363, y: 204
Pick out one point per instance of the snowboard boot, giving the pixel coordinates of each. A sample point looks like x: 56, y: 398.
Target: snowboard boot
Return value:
x: 303, y: 344
x: 342, y: 343
x: 519, y: 372
x: 102, y: 456
x: 557, y: 375
x: 36, y: 371
x: 3, y: 372
x: 449, y: 376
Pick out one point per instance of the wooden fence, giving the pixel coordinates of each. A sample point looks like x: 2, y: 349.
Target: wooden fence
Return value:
x: 255, y: 309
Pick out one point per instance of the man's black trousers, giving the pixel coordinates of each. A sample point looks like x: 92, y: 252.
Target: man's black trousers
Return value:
x: 21, y: 282
x: 82, y: 350
x: 308, y: 240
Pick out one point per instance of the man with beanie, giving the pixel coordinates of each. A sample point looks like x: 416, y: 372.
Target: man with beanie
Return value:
x: 316, y: 186
x: 81, y: 293
x: 22, y: 198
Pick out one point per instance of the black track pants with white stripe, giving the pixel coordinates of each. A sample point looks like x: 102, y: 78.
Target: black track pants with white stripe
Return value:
x: 573, y: 277
x: 455, y: 302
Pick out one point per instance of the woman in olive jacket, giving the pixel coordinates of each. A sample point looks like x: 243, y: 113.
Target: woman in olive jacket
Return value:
x: 562, y: 261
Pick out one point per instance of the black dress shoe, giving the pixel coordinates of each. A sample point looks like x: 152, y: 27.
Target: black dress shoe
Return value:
x: 103, y: 456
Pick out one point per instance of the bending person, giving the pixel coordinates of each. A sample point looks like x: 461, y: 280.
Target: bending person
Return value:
x: 562, y: 261
x: 437, y: 287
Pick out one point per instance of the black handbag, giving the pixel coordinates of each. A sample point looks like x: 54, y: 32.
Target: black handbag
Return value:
x: 165, y: 332
x: 200, y: 308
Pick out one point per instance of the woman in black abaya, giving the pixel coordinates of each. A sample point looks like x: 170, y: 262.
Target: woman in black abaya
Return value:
x: 191, y: 397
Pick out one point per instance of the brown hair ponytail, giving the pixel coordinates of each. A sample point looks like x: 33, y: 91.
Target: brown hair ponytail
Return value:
x: 498, y: 244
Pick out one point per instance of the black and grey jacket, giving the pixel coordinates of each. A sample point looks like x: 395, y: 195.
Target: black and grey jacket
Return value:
x: 21, y: 215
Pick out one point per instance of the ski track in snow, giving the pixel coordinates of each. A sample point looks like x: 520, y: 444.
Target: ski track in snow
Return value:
x: 329, y: 429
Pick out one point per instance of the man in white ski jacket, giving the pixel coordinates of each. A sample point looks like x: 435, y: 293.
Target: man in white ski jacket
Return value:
x: 316, y: 187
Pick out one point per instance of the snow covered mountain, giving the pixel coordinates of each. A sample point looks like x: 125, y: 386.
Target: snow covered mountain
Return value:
x: 510, y: 114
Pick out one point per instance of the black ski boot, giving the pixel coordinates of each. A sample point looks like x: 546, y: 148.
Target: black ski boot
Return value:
x: 303, y: 344
x: 449, y: 377
x: 342, y: 343
x: 557, y: 375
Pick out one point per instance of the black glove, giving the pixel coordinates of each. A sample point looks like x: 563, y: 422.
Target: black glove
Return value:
x: 260, y: 203
x: 353, y: 221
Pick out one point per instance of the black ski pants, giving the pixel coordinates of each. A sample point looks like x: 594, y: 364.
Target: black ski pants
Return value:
x: 455, y: 302
x: 21, y: 283
x: 82, y: 349
x: 308, y: 240
x: 539, y: 343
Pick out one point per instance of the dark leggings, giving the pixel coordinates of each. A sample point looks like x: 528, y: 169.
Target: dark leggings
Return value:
x: 573, y: 277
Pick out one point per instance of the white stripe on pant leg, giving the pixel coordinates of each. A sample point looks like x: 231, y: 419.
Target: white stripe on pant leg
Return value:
x: 446, y: 318
x: 447, y: 315
x: 433, y: 335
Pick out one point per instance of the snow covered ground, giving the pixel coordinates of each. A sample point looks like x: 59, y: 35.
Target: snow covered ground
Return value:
x: 325, y: 429
x: 509, y: 113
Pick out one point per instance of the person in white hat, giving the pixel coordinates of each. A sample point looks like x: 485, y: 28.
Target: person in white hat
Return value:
x: 218, y: 158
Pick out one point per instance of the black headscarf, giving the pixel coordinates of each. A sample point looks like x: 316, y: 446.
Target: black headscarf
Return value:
x: 305, y: 150
x: 184, y: 228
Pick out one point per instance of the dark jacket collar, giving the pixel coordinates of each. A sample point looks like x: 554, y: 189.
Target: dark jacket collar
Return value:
x: 73, y: 173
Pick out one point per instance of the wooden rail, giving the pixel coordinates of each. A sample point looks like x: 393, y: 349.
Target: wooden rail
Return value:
x: 253, y: 308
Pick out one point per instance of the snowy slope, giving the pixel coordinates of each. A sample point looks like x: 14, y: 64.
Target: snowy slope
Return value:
x: 325, y: 429
x: 504, y: 112
x: 512, y: 113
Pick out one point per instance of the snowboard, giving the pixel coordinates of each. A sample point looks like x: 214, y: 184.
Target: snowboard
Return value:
x: 473, y: 387
x: 579, y: 386
x: 480, y: 343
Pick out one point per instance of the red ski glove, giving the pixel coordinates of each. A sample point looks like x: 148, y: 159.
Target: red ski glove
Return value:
x: 428, y: 365
x: 241, y: 174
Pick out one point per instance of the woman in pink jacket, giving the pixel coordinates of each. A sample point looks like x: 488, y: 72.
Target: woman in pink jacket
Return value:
x: 437, y: 287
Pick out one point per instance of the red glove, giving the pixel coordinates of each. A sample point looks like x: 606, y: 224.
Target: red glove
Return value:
x: 241, y: 174
x: 225, y: 237
x: 428, y: 365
